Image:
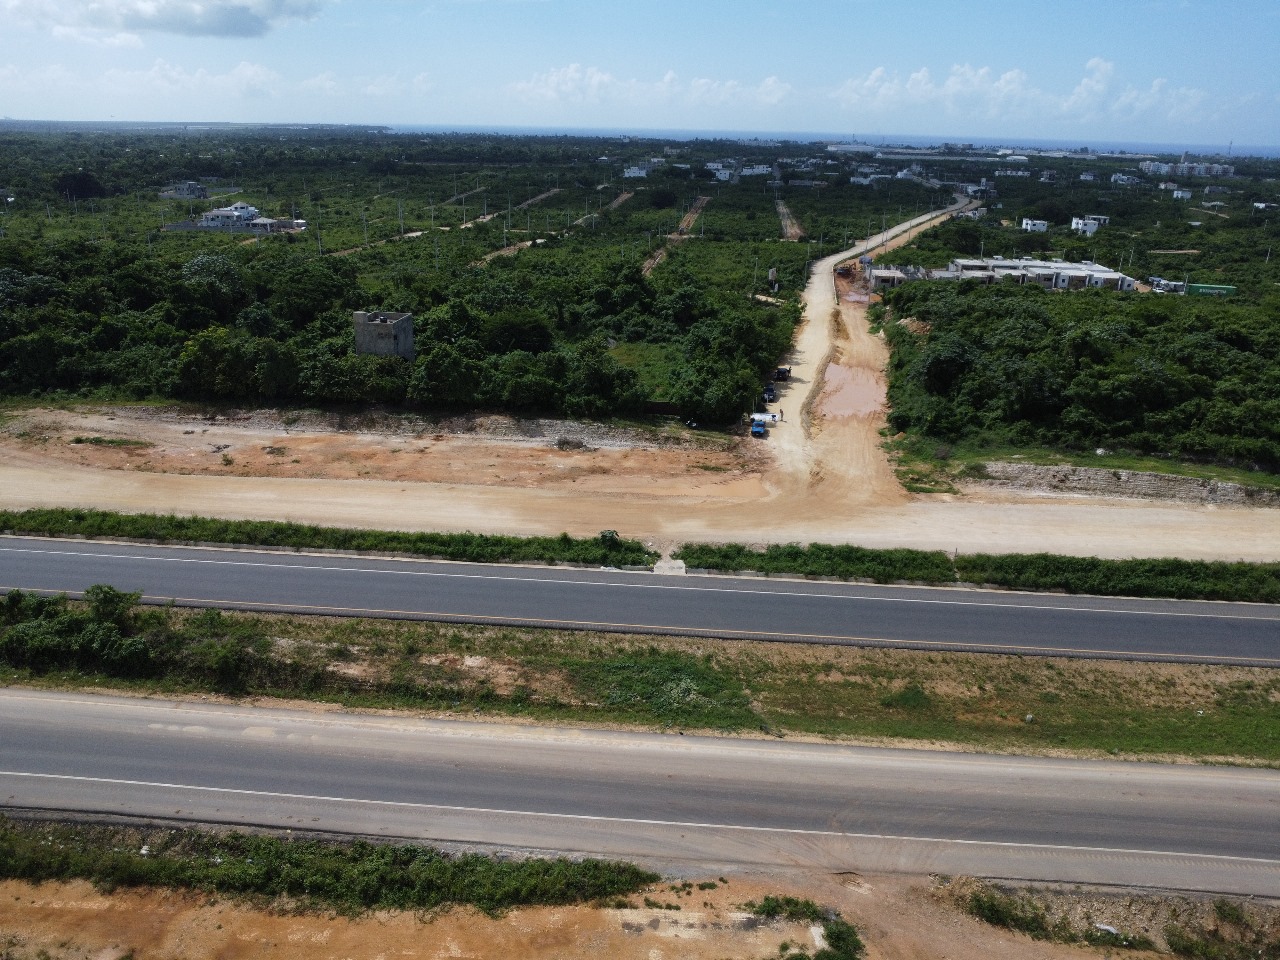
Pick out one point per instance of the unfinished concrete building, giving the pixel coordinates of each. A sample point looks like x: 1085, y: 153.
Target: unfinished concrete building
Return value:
x: 384, y: 334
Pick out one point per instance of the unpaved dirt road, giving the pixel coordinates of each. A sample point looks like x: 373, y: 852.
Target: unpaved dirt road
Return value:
x: 819, y: 476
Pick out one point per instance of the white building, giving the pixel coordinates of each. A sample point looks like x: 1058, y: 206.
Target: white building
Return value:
x: 1182, y: 194
x: 1085, y: 225
x: 635, y: 172
x: 1035, y: 226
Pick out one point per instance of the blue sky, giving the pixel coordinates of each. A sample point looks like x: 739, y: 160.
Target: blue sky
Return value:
x: 1165, y: 71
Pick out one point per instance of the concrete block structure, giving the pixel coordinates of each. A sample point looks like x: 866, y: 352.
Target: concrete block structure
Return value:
x: 384, y: 334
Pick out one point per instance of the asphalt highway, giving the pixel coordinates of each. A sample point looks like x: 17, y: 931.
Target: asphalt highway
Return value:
x: 662, y: 799
x: 613, y: 600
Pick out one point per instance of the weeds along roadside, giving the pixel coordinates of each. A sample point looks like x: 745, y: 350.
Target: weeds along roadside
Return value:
x: 973, y: 701
x: 605, y: 549
x: 1158, y: 577
x: 346, y: 877
x: 1186, y: 925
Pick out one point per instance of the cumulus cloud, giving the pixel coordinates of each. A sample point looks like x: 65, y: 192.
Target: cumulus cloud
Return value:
x: 251, y: 80
x: 967, y: 92
x: 124, y: 18
x: 578, y: 84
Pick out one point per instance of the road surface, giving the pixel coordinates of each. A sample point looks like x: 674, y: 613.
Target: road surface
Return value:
x: 662, y: 799
x: 611, y: 600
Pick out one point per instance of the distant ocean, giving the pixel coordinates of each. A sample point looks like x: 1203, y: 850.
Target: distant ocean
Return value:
x: 887, y: 140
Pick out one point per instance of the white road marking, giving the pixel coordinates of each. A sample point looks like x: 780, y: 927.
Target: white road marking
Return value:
x: 636, y: 821
x: 642, y: 586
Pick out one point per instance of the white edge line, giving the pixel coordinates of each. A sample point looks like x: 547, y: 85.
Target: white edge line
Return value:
x: 648, y: 586
x: 793, y: 831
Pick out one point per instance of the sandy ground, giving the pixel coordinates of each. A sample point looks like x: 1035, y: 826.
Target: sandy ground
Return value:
x: 820, y: 475
x: 899, y: 919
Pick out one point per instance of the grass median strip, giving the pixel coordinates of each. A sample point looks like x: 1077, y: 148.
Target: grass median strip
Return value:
x: 1163, y: 577
x: 605, y: 549
x: 977, y: 701
x: 349, y: 877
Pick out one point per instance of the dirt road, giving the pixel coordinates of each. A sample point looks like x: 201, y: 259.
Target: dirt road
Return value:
x: 791, y: 229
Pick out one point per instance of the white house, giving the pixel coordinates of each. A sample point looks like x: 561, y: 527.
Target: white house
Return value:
x: 1035, y: 226
x: 1182, y: 194
x: 1085, y: 225
x: 237, y: 215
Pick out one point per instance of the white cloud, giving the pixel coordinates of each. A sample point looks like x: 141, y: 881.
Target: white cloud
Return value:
x: 578, y: 84
x: 572, y: 83
x: 127, y: 18
x: 245, y: 80
x: 970, y: 92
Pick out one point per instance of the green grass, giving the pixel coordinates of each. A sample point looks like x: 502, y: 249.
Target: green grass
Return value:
x: 347, y: 877
x: 980, y: 701
x: 1158, y: 577
x: 606, y: 549
x: 654, y: 364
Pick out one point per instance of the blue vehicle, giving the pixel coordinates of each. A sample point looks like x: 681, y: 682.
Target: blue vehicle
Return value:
x: 757, y: 428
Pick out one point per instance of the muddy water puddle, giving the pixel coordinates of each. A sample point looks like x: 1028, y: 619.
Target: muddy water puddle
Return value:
x: 851, y: 392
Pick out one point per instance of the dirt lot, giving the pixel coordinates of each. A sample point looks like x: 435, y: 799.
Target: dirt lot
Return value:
x: 899, y: 918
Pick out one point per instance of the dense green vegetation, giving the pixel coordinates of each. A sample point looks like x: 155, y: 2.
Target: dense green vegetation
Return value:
x: 350, y: 878
x: 1181, y: 377
x: 605, y: 549
x: 651, y: 682
x: 1162, y: 577
x: 1178, y: 378
x: 97, y: 299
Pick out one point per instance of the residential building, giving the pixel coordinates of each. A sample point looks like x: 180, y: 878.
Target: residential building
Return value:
x: 1034, y: 226
x: 188, y: 190
x: 384, y: 334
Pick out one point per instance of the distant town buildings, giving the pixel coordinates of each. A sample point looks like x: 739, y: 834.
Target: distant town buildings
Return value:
x: 1188, y: 169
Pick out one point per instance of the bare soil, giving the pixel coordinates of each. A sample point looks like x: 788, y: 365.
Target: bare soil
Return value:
x: 899, y: 918
x: 791, y: 229
x: 821, y: 475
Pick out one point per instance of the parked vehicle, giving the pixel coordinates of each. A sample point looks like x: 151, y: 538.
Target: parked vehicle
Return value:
x: 770, y: 394
x: 782, y: 373
x: 757, y: 428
